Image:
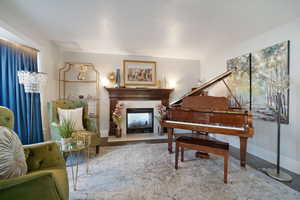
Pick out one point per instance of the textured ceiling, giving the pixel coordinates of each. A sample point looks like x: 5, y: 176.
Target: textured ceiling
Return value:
x: 166, y: 28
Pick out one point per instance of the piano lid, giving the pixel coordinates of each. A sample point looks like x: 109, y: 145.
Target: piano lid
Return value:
x: 206, y: 85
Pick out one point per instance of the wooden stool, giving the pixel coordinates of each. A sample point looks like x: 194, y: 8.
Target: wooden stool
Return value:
x: 205, y: 144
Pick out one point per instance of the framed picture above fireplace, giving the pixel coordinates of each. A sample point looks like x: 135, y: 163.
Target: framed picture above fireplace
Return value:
x: 139, y: 73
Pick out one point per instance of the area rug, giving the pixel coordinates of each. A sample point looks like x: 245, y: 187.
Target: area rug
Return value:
x: 146, y: 171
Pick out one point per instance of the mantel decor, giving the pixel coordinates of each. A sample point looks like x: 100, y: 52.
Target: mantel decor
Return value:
x: 135, y: 94
x: 139, y: 73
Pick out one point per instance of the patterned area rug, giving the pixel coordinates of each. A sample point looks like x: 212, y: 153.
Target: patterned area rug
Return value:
x: 146, y: 171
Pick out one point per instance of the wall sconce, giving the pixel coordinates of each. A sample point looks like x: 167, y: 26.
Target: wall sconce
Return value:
x: 104, y: 81
x: 172, y: 84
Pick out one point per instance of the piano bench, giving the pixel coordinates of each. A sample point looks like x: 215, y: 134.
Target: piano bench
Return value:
x: 204, y: 144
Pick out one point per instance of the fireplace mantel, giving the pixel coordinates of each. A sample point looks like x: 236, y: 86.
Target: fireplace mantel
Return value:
x: 135, y: 94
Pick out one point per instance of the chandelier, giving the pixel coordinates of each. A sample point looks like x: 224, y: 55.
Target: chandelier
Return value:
x: 32, y: 81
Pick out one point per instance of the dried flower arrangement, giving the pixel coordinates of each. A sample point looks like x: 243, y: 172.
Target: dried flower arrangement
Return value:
x: 162, y: 111
x: 117, y: 115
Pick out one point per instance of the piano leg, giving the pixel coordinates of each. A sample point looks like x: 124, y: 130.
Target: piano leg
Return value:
x: 170, y: 137
x: 243, y: 150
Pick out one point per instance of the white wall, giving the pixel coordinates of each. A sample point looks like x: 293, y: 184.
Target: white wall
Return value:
x: 263, y: 144
x: 184, y: 72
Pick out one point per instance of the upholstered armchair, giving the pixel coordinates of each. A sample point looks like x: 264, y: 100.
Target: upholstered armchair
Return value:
x: 46, y: 178
x: 90, y: 124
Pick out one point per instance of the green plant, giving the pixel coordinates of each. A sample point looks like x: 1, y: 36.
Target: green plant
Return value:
x: 66, y: 128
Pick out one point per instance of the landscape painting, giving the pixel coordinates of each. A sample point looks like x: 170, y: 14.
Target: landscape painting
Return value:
x: 239, y: 82
x: 139, y: 73
x: 270, y: 72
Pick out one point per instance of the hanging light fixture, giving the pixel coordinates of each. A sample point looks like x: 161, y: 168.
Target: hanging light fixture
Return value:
x: 32, y: 81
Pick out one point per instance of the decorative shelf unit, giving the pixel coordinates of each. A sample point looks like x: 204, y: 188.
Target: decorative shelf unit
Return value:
x: 87, y: 88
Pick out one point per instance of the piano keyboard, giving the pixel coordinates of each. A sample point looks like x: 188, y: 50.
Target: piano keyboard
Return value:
x: 206, y: 125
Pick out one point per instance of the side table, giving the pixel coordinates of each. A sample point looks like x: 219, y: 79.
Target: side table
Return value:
x: 73, y: 151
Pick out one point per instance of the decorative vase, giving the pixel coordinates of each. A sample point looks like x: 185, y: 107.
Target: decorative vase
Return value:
x: 161, y: 129
x: 65, y: 141
x: 118, y: 132
x: 118, y: 79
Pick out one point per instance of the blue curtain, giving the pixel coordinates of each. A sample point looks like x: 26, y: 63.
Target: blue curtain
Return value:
x: 12, y: 95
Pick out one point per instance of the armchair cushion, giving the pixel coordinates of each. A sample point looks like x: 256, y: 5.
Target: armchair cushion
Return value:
x: 47, y: 176
x: 12, y: 157
x: 6, y: 117
x: 66, y: 104
x: 74, y: 115
x: 90, y: 124
x: 43, y: 156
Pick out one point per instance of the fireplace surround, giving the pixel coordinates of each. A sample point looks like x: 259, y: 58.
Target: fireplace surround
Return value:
x: 135, y: 94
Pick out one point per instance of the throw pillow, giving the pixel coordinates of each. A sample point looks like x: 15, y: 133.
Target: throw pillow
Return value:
x: 12, y: 157
x: 74, y: 115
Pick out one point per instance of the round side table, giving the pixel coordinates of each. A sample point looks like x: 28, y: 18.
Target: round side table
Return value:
x: 73, y: 151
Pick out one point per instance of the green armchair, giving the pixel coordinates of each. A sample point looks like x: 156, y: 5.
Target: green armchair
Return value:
x: 46, y: 178
x: 90, y: 124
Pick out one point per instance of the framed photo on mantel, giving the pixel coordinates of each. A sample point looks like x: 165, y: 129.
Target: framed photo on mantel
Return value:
x: 139, y: 73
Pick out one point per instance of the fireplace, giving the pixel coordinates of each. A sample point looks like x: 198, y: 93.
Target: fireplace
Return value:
x: 139, y: 120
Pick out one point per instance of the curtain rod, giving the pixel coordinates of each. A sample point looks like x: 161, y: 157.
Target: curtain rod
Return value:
x: 18, y: 44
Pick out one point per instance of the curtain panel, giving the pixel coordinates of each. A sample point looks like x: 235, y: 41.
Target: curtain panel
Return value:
x: 12, y: 95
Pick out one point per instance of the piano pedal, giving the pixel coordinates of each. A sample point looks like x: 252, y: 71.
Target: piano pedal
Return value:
x: 203, y: 155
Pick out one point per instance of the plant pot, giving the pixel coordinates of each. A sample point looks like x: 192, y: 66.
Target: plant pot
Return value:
x: 161, y: 129
x: 65, y: 141
x: 118, y: 132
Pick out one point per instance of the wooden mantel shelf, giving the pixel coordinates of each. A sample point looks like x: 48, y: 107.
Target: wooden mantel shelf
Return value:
x: 135, y: 94
x: 139, y: 93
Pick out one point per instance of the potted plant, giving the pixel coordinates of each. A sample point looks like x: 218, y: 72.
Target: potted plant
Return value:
x: 117, y: 118
x: 66, y: 128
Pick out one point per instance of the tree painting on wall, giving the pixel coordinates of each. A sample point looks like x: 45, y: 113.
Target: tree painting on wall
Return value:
x: 239, y: 81
x: 270, y: 66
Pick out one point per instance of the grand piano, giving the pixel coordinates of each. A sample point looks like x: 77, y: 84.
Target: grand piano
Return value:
x: 209, y: 114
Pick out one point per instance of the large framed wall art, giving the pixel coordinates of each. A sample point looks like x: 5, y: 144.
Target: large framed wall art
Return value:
x: 240, y: 81
x: 270, y: 69
x: 139, y: 73
x: 256, y: 81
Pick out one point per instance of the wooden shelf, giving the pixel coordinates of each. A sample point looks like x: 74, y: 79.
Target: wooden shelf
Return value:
x: 78, y: 81
x: 65, y: 82
x: 94, y: 116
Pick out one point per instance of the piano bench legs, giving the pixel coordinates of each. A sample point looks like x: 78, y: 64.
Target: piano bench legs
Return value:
x: 222, y: 152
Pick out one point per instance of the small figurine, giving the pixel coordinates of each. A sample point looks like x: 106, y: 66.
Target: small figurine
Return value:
x: 82, y: 72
